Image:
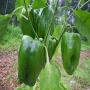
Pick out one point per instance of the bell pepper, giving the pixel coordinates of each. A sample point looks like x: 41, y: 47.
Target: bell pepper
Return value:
x: 25, y: 24
x: 70, y: 48
x: 31, y: 60
x: 51, y: 46
x: 31, y: 21
x: 44, y: 22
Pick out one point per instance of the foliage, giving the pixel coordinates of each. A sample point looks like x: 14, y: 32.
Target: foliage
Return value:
x: 39, y: 4
x: 85, y: 46
x: 57, y: 30
x: 4, y: 20
x: 44, y: 24
x: 21, y: 3
x: 83, y: 23
x: 44, y: 27
x: 50, y: 76
x: 12, y: 34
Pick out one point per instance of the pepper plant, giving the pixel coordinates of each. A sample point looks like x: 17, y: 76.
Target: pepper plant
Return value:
x: 38, y: 22
x: 38, y: 45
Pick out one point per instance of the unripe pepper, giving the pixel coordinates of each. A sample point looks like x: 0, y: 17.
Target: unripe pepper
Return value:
x: 31, y: 60
x: 25, y: 24
x: 31, y: 22
x: 44, y: 22
x: 70, y: 48
x: 52, y: 46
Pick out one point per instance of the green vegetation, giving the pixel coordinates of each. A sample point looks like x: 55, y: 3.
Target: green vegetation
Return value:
x: 40, y: 28
x: 80, y: 79
x: 11, y: 39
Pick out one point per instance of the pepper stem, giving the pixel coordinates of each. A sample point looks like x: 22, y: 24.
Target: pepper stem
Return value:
x: 47, y: 57
x: 64, y: 30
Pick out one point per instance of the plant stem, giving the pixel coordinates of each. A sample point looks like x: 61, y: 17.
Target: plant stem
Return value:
x: 25, y: 6
x: 30, y: 20
x: 59, y: 39
x: 17, y: 9
x: 61, y: 36
x: 45, y: 39
x: 78, y: 4
x: 85, y: 3
x: 47, y: 57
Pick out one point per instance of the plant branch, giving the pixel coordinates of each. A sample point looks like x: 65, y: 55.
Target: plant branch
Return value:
x: 85, y: 3
x: 61, y: 36
x: 59, y: 39
x: 17, y: 9
x: 78, y: 4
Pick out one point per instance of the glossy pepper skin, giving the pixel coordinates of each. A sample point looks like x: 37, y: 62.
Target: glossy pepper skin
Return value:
x: 31, y: 60
x: 70, y: 48
x: 52, y: 46
x: 31, y: 21
x: 25, y: 24
x: 44, y: 22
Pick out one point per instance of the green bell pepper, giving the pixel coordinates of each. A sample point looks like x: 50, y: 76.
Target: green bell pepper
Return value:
x: 70, y: 48
x: 31, y: 60
x: 52, y: 46
x: 25, y: 24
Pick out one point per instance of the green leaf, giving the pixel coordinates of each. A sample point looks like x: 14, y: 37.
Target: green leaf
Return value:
x: 4, y: 20
x: 21, y: 3
x: 57, y: 31
x: 83, y: 23
x: 50, y: 76
x: 39, y: 4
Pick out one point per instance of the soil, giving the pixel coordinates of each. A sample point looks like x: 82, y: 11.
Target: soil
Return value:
x: 7, y: 71
x: 8, y: 74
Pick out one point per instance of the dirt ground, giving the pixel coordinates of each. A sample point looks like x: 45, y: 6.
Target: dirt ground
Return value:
x: 8, y: 75
x: 7, y: 70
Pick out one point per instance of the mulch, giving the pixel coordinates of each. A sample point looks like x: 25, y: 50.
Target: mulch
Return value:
x: 7, y: 71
